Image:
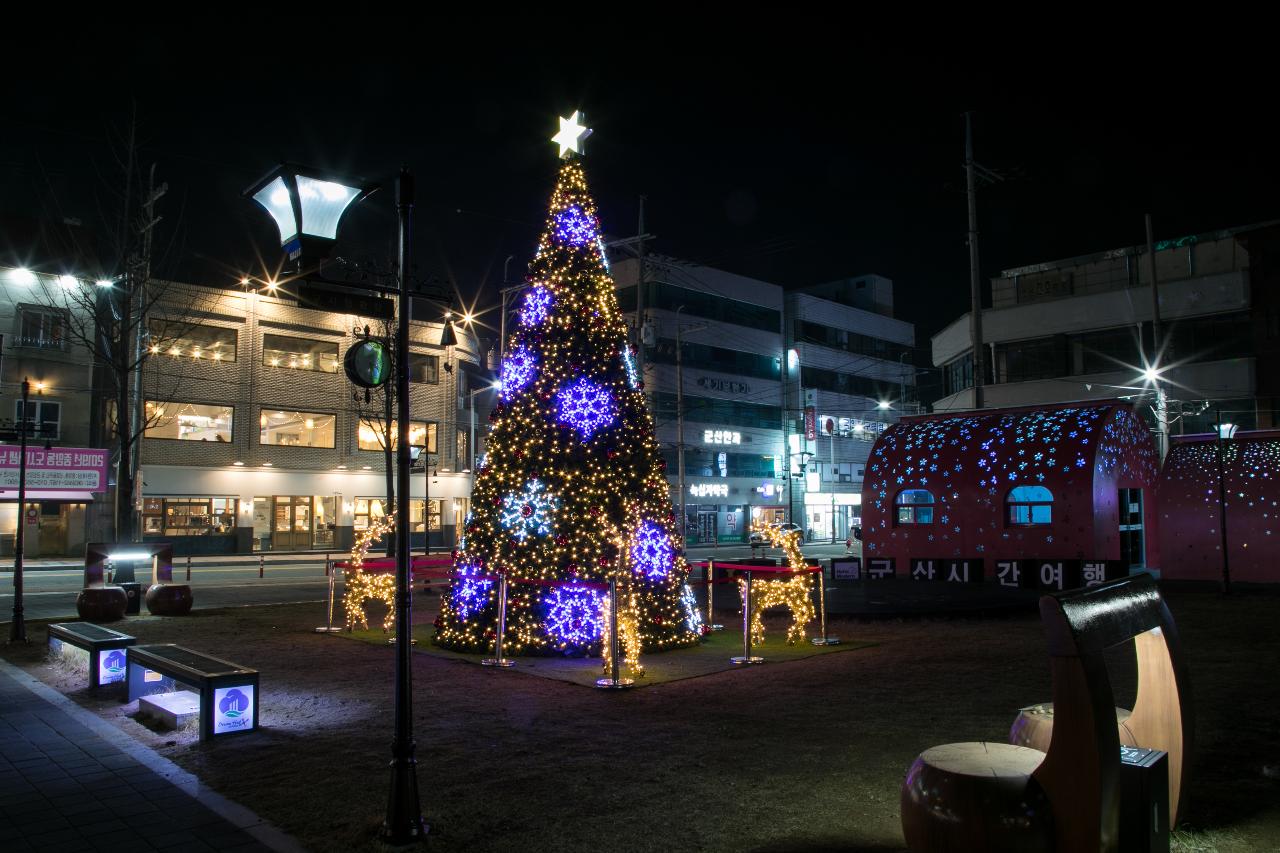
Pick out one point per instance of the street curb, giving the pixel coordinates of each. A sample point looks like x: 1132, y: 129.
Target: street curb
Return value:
x: 234, y: 813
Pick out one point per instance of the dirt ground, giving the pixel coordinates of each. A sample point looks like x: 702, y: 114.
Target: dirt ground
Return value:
x: 802, y: 755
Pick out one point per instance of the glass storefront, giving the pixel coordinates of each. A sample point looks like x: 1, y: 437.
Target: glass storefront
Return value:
x: 188, y: 516
x: 295, y: 522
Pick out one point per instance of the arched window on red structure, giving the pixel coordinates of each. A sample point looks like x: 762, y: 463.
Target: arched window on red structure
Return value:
x: 1030, y: 505
x: 915, y: 506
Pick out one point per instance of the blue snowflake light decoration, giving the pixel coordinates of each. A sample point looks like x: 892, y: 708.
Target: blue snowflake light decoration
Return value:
x: 573, y: 615
x: 537, y: 305
x: 574, y: 227
x: 629, y: 362
x: 652, y: 553
x: 530, y: 512
x: 518, y: 371
x: 470, y: 594
x: 585, y: 406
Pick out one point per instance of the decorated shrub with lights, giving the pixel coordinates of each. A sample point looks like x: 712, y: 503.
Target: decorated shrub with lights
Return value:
x: 572, y: 492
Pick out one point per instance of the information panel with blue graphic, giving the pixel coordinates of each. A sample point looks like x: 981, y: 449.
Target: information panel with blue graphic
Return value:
x: 233, y: 709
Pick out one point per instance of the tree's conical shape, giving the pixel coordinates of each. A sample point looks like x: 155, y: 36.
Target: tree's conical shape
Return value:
x: 573, y: 491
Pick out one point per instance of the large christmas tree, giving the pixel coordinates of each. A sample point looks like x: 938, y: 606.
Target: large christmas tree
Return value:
x: 572, y: 491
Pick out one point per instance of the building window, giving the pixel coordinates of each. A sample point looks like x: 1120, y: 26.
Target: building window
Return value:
x: 371, y: 509
x: 43, y: 327
x: 188, y: 516
x: 299, y: 353
x: 915, y: 506
x: 43, y: 417
x: 1030, y: 505
x: 424, y: 368
x: 372, y: 435
x: 188, y: 421
x: 185, y: 340
x: 296, y: 429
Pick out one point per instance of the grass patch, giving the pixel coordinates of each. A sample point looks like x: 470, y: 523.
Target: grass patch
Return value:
x: 709, y: 656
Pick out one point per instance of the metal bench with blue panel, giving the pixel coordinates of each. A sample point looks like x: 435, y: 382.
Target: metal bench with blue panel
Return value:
x: 103, y: 648
x: 228, y: 692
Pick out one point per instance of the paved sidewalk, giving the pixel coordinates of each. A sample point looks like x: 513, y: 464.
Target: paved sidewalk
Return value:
x: 70, y: 781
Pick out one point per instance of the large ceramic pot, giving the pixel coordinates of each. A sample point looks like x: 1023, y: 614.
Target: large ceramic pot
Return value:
x: 102, y: 603
x: 169, y: 599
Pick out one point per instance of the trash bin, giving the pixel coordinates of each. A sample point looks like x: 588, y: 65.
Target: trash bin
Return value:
x: 134, y: 592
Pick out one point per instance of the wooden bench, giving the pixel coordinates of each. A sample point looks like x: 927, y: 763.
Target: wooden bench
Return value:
x: 998, y: 796
x: 228, y: 692
x: 103, y: 647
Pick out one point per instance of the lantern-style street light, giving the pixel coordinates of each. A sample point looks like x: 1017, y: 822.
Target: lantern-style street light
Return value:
x: 307, y: 206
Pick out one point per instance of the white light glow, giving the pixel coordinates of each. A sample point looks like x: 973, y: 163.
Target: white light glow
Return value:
x: 883, y: 405
x: 323, y: 203
x: 68, y: 281
x: 103, y: 282
x: 22, y: 275
x: 571, y: 136
x: 1151, y: 374
x: 274, y: 197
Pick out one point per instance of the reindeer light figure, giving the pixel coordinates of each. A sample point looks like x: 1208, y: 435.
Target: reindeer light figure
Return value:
x: 795, y: 593
x: 363, y: 586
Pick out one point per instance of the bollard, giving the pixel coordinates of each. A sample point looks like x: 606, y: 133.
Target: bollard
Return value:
x: 261, y: 564
x: 498, y: 659
x: 824, y: 640
x: 614, y: 681
x: 328, y: 622
x: 326, y: 564
x: 747, y: 657
x: 188, y: 567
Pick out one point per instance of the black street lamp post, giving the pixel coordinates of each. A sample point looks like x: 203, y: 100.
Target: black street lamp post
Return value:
x: 18, y: 627
x: 1229, y: 429
x: 307, y: 206
x: 404, y: 822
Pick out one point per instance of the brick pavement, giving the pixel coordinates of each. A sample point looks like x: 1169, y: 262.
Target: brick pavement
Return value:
x: 69, y: 784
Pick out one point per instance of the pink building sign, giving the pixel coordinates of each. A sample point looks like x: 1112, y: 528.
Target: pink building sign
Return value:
x: 67, y: 473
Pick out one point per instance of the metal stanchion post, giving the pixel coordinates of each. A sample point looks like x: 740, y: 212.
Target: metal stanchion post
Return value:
x: 328, y: 622
x: 261, y: 564
x: 711, y: 585
x: 188, y: 568
x: 614, y: 681
x: 824, y: 640
x: 747, y: 657
x: 498, y: 659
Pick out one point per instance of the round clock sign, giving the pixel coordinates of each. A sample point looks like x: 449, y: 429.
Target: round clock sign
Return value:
x: 368, y: 364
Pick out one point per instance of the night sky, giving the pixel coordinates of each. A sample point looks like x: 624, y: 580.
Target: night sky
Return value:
x: 841, y: 160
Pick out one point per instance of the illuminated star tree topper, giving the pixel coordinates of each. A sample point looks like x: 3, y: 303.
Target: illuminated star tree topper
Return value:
x: 573, y: 491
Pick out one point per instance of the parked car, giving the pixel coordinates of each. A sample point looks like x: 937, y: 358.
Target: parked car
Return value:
x: 758, y: 538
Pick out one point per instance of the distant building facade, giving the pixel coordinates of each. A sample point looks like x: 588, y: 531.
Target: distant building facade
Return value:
x: 1077, y: 329
x: 755, y: 357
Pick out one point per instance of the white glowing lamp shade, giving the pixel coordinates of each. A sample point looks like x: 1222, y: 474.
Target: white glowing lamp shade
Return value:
x: 275, y: 198
x: 321, y: 204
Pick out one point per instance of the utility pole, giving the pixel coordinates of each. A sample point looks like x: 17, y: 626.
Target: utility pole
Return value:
x: 684, y: 521
x: 1153, y: 364
x: 502, y: 332
x: 975, y: 285
x: 640, y: 282
x: 137, y: 313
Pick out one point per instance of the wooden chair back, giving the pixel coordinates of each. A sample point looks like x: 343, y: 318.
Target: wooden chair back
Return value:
x: 1081, y: 771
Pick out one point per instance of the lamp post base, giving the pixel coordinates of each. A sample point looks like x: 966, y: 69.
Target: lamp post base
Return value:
x: 615, y: 684
x: 744, y: 661
x: 825, y: 641
x: 497, y: 662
